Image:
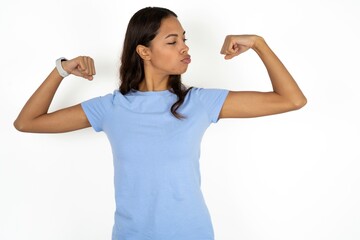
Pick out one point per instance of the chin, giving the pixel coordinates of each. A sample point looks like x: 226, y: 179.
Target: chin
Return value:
x: 178, y: 71
x: 182, y: 71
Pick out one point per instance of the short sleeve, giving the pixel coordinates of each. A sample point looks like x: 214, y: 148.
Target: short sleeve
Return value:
x: 212, y: 100
x: 95, y: 109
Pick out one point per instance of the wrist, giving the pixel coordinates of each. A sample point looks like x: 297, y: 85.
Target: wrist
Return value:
x: 59, y: 66
x: 258, y: 42
x: 260, y: 45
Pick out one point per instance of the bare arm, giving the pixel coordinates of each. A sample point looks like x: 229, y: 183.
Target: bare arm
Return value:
x: 34, y: 116
x: 286, y: 94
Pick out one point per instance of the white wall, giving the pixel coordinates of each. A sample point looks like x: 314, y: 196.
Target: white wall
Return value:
x: 288, y: 176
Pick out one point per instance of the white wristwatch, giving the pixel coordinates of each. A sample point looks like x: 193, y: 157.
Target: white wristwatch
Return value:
x: 59, y: 67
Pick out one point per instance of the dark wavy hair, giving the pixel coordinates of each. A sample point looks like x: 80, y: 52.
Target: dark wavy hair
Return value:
x: 142, y: 29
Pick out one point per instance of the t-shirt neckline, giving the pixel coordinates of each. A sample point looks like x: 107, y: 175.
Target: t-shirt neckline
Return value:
x: 151, y: 93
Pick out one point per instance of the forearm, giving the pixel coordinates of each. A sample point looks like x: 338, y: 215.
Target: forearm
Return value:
x: 282, y: 81
x: 39, y: 103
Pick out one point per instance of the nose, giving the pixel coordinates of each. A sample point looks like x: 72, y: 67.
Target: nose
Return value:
x: 184, y: 49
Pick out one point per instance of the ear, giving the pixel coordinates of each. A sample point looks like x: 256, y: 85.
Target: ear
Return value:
x: 143, y: 51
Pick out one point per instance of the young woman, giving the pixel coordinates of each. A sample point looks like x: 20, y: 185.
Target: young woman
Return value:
x: 155, y: 124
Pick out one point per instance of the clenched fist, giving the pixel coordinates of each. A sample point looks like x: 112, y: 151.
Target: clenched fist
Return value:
x: 237, y: 44
x: 81, y: 66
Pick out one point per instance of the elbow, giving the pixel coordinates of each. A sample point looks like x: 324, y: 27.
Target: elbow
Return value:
x: 19, y: 125
x: 300, y: 103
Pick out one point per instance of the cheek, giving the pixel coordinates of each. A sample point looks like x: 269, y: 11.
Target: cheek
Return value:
x: 164, y: 55
x: 164, y: 58
x: 168, y: 60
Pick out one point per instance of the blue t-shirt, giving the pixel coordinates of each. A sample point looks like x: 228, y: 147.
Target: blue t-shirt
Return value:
x: 156, y: 161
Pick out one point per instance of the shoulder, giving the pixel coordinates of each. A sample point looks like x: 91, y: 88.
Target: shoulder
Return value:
x: 103, y: 101
x: 205, y: 93
x: 211, y: 100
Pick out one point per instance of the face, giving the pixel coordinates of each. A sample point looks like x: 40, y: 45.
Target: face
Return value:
x: 168, y: 53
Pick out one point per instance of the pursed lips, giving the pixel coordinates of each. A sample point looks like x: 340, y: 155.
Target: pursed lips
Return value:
x: 187, y: 59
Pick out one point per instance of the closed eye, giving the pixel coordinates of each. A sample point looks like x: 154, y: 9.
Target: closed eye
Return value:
x: 173, y: 43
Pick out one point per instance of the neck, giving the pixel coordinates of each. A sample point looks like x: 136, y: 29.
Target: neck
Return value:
x: 154, y: 84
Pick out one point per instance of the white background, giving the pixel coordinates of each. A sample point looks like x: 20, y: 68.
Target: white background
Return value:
x: 288, y: 176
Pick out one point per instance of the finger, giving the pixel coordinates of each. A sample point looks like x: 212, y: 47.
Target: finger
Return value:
x: 90, y: 66
x: 88, y: 70
x: 82, y: 67
x: 229, y: 56
x: 230, y: 48
x: 225, y: 45
x: 81, y: 64
x: 222, y: 51
x: 230, y: 51
x: 93, y: 67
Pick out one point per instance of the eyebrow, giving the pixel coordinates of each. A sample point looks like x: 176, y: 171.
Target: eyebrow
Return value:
x: 173, y: 35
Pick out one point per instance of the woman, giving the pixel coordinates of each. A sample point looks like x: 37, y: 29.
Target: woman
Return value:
x: 155, y: 124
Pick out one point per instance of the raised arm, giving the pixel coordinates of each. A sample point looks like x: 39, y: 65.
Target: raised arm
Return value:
x: 34, y: 116
x: 286, y: 95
